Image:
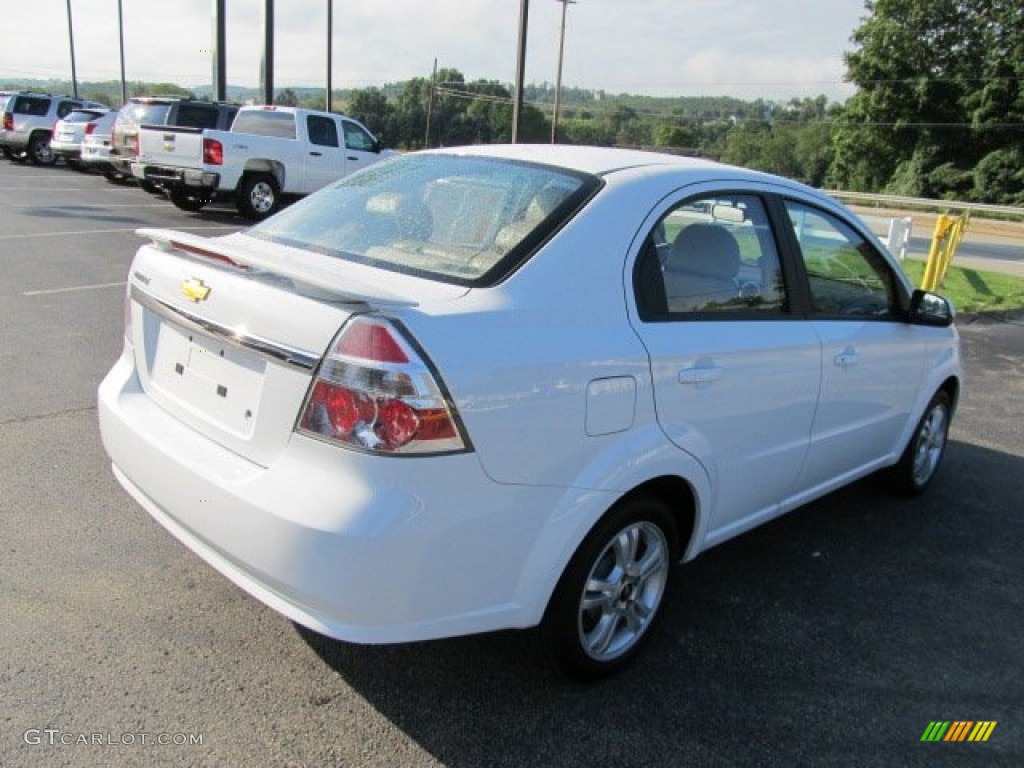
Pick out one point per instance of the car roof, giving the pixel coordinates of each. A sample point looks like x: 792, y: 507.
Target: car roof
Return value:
x: 599, y: 161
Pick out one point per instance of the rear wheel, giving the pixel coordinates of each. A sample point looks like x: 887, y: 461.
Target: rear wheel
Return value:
x: 150, y: 187
x: 39, y: 150
x: 11, y: 155
x: 186, y: 201
x: 258, y: 196
x: 611, y: 592
x: 923, y: 455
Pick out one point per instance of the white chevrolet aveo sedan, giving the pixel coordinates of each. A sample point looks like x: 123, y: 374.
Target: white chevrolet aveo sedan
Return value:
x: 495, y: 387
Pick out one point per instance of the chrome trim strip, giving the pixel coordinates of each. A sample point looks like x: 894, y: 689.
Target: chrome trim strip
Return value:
x: 270, y: 350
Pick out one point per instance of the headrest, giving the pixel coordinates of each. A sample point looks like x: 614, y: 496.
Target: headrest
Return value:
x: 706, y: 249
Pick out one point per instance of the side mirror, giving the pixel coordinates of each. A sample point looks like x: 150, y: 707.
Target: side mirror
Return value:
x: 375, y: 148
x: 930, y: 309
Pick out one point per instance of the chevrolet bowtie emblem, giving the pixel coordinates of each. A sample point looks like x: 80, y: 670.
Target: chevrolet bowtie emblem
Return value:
x: 195, y: 289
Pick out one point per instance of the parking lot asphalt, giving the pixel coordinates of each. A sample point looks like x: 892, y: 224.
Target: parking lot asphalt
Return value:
x: 830, y: 637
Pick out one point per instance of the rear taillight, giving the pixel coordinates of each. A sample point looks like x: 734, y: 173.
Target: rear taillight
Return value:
x: 90, y: 128
x: 8, y: 121
x: 375, y: 391
x: 213, y: 152
x: 137, y: 144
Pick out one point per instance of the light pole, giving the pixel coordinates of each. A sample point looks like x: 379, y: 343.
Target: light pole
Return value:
x: 71, y: 41
x: 558, y: 80
x: 330, y: 50
x: 517, y: 104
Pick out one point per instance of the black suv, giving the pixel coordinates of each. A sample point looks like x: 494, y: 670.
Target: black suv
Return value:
x: 27, y: 120
x: 161, y: 110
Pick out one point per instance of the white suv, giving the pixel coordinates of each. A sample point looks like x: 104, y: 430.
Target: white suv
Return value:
x: 27, y: 122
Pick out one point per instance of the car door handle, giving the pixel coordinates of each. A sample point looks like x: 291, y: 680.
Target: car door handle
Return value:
x: 350, y: 157
x: 316, y: 154
x: 700, y: 375
x: 845, y: 359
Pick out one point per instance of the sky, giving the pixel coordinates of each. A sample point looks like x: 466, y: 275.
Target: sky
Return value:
x: 773, y: 49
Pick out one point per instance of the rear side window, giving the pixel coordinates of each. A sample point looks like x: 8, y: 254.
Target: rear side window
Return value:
x: 462, y: 220
x: 711, y: 257
x: 31, y: 105
x: 265, y: 122
x: 323, y: 131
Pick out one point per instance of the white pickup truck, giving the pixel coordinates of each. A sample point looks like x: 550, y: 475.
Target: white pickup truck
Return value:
x: 269, y: 153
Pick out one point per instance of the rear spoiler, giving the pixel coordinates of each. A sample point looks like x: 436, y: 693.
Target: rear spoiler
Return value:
x: 290, y: 264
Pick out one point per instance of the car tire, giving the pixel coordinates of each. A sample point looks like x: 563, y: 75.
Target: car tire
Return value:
x: 611, y: 592
x: 78, y: 165
x: 114, y: 177
x: 39, y: 150
x: 10, y: 154
x: 185, y: 201
x: 921, y: 459
x: 258, y: 196
x: 150, y: 187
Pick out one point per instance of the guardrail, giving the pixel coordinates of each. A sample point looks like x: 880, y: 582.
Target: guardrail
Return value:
x: 923, y: 202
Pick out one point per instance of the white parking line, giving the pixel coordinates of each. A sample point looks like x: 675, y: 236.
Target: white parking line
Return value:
x: 80, y: 232
x: 74, y: 288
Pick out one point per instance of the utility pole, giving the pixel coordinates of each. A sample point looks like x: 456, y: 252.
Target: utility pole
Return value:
x: 71, y: 39
x: 430, y: 106
x: 517, y: 104
x: 558, y: 80
x: 120, y: 34
x: 330, y: 49
x: 220, y: 56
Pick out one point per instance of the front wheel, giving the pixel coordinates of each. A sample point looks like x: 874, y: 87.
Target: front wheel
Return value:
x: 258, y: 196
x: 185, y: 201
x: 611, y: 592
x: 39, y: 150
x: 923, y: 455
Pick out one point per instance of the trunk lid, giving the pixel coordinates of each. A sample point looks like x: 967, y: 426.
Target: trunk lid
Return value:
x: 228, y: 332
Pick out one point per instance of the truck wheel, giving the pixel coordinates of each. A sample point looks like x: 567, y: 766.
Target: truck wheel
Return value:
x: 185, y: 201
x: 150, y: 187
x: 39, y: 150
x: 258, y: 196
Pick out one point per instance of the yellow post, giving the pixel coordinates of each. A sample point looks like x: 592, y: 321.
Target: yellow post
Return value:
x: 949, y: 231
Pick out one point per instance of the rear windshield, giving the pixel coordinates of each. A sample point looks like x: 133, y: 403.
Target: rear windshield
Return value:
x: 137, y: 114
x: 265, y: 123
x: 82, y: 116
x: 462, y: 220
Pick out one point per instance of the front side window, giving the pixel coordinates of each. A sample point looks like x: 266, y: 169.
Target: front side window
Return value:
x: 357, y: 138
x: 463, y: 220
x: 846, y: 275
x: 712, y: 256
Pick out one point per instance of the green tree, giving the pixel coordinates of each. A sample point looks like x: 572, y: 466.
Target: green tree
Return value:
x: 939, y: 88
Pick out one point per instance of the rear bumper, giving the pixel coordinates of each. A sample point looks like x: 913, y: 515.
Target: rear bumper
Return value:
x: 171, y: 176
x: 66, y: 150
x: 362, y: 548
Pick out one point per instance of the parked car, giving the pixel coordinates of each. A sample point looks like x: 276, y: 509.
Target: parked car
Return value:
x: 270, y: 153
x: 71, y: 131
x: 161, y: 110
x: 96, y: 146
x: 27, y: 124
x: 492, y: 387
